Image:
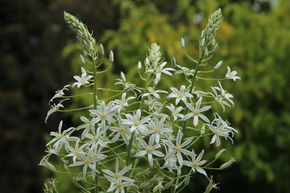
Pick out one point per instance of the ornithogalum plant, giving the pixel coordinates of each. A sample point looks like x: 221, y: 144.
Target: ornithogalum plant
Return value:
x: 143, y: 138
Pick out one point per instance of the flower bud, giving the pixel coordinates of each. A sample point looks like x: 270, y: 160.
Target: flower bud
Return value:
x: 202, y: 42
x: 173, y: 62
x: 147, y: 61
x: 44, y: 162
x: 139, y: 65
x: 219, y: 153
x: 182, y: 43
x: 102, y: 50
x: 228, y: 163
x: 111, y: 57
x: 218, y: 65
x: 82, y: 59
x: 202, y: 130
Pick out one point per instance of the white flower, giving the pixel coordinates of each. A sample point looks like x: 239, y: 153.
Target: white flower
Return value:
x: 179, y: 148
x: 196, y: 162
x: 127, y: 85
x: 89, y: 125
x: 219, y: 122
x: 218, y: 132
x: 89, y: 159
x: 171, y: 160
x: 199, y: 93
x: 184, y: 70
x: 76, y: 151
x: 119, y: 174
x: 54, y: 108
x: 120, y: 130
x: 120, y: 104
x: 59, y: 93
x: 196, y: 112
x: 117, y: 185
x: 117, y: 179
x: 153, y: 92
x: 104, y: 113
x: 60, y: 138
x: 135, y: 122
x: 150, y: 149
x: 83, y: 79
x: 220, y: 128
x: 175, y: 112
x: 157, y: 128
x: 231, y: 74
x: 159, y: 69
x: 153, y: 104
x: 223, y: 94
x: 181, y: 94
x: 97, y: 137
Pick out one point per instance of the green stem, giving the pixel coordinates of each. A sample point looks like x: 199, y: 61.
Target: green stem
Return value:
x: 95, y: 84
x: 129, y: 149
x: 73, y: 96
x: 193, y: 81
x: 95, y: 106
x: 96, y: 183
x: 71, y: 110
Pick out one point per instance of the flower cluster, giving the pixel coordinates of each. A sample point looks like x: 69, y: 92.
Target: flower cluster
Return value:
x: 145, y: 129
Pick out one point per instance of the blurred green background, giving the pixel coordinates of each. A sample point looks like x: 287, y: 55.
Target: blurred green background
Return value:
x: 39, y: 54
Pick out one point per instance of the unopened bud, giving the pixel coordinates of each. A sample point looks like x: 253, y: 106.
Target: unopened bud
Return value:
x: 205, y: 51
x: 158, y: 188
x: 139, y: 65
x: 202, y: 130
x: 218, y: 65
x: 47, y: 165
x: 228, y: 163
x: 102, y: 50
x: 173, y: 62
x: 202, y: 34
x: 147, y: 61
x: 111, y: 57
x: 182, y: 43
x: 82, y: 59
x: 219, y: 153
x: 202, y: 42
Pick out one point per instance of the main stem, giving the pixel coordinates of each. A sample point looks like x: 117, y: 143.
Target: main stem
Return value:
x: 95, y: 84
x: 129, y: 149
x: 193, y: 81
x: 95, y: 107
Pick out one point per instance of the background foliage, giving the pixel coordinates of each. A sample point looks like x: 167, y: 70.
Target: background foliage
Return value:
x: 254, y: 39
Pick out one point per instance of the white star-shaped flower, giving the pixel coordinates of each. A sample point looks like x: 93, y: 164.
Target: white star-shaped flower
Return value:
x: 196, y: 112
x: 181, y: 94
x: 196, y: 162
x: 83, y: 79
x: 232, y: 74
x: 150, y: 149
x: 136, y: 122
x: 179, y: 148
